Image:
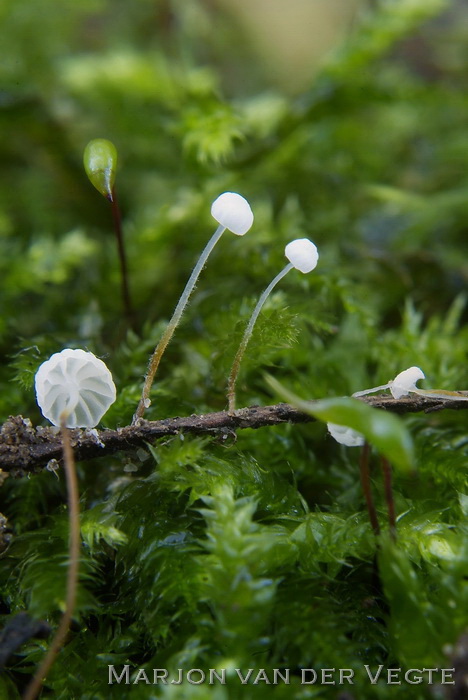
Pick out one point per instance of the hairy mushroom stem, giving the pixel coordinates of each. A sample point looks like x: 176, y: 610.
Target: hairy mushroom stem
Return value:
x: 232, y: 212
x: 231, y: 392
x: 173, y: 323
x: 302, y: 255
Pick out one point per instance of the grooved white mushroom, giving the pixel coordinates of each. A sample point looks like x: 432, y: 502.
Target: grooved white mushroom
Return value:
x: 232, y: 212
x: 76, y: 387
x: 346, y: 436
x: 302, y: 255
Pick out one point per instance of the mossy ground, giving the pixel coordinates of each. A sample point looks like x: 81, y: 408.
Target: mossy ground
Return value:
x: 255, y: 552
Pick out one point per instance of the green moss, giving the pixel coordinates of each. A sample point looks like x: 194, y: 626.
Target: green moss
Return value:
x: 253, y: 552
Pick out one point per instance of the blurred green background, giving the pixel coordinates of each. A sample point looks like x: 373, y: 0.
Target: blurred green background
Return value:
x: 344, y: 122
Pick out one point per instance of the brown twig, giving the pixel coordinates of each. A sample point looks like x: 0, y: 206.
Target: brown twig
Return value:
x: 24, y: 449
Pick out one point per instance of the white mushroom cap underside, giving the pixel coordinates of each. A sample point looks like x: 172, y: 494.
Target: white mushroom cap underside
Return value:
x: 76, y: 384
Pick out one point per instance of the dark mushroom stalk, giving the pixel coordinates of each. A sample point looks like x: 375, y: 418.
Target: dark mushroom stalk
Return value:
x: 74, y: 389
x: 35, y: 685
x: 352, y: 438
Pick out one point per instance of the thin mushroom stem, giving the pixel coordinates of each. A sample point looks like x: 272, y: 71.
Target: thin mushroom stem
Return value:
x: 125, y: 290
x: 35, y: 686
x: 172, y: 325
x: 365, y: 392
x: 387, y: 479
x: 366, y: 487
x: 231, y: 393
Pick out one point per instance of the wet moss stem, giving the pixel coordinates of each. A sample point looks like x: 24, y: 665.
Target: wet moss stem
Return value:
x: 125, y: 289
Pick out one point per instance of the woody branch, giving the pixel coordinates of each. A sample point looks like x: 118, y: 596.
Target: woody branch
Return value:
x: 25, y: 449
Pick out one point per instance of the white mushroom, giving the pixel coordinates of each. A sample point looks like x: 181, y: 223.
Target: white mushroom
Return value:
x: 405, y: 382
x: 74, y: 386
x: 302, y: 255
x: 346, y: 436
x: 232, y: 212
x: 400, y: 386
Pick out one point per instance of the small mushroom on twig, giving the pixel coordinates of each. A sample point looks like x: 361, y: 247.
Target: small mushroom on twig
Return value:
x: 232, y: 212
x: 74, y: 389
x: 302, y: 255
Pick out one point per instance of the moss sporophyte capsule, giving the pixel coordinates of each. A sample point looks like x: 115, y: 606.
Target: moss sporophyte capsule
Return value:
x: 100, y: 163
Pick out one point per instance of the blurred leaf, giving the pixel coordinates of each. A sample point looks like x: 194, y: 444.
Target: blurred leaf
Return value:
x: 381, y: 429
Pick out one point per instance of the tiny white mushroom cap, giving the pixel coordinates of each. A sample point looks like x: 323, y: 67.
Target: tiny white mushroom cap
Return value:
x: 233, y: 211
x: 303, y: 254
x: 346, y: 436
x: 76, y: 385
x: 405, y: 382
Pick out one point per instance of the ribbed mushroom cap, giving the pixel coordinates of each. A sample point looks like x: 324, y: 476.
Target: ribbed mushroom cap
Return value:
x: 77, y: 385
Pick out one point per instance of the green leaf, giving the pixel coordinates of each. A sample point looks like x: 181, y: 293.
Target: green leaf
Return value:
x: 381, y: 429
x: 8, y: 688
x: 412, y: 631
